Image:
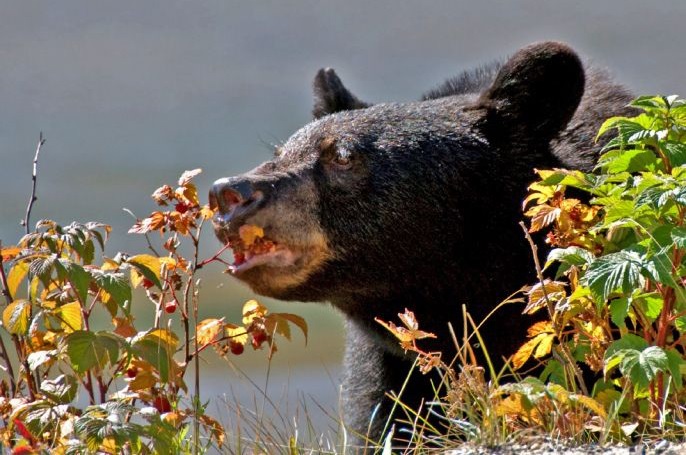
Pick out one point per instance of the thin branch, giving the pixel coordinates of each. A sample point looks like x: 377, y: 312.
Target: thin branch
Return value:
x: 34, y: 179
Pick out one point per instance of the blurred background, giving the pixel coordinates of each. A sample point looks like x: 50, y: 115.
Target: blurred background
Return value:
x: 130, y: 94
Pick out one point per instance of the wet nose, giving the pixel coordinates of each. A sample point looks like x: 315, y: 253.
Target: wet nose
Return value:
x: 233, y: 197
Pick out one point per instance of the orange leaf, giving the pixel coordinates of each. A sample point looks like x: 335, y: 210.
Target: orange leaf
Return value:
x: 10, y: 252
x: 249, y: 233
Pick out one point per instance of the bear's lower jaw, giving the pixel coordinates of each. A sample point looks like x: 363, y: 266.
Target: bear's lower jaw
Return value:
x: 280, y: 257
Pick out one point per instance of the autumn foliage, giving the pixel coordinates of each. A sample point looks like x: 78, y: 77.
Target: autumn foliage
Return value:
x: 59, y: 287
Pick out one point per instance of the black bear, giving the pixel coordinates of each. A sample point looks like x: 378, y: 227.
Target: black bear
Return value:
x: 378, y: 208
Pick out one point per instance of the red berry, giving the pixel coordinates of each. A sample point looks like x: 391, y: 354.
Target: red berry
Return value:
x: 170, y: 307
x: 258, y: 338
x: 132, y: 372
x: 238, y: 258
x: 147, y: 284
x: 161, y: 404
x: 236, y: 348
x: 181, y: 207
x: 22, y: 450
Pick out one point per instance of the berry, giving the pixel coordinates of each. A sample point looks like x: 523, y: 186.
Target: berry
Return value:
x: 161, y: 404
x: 236, y: 348
x: 238, y: 258
x: 170, y: 307
x: 258, y: 338
x: 181, y: 207
x: 132, y: 372
x: 147, y: 284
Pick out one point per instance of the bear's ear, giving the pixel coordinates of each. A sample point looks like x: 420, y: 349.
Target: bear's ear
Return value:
x: 535, y: 93
x: 330, y: 95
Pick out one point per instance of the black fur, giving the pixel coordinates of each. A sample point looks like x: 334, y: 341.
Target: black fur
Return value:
x: 418, y: 204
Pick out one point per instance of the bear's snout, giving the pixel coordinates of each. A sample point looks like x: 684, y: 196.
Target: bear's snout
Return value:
x: 234, y: 198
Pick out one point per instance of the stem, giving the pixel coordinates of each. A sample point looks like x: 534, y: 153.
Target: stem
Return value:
x: 34, y: 180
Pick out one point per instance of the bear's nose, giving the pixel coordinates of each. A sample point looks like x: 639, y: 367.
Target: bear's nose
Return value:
x: 233, y: 198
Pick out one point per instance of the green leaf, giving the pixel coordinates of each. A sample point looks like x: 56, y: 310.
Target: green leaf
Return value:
x: 87, y: 350
x: 621, y: 270
x: 619, y: 309
x: 78, y: 277
x: 640, y: 367
x: 676, y: 362
x: 149, y: 266
x: 115, y: 284
x: 651, y: 305
x: 156, y: 348
x: 83, y: 350
x: 570, y: 256
x: 16, y: 316
x: 628, y: 341
x: 679, y: 236
x: 627, y: 161
x: 675, y: 152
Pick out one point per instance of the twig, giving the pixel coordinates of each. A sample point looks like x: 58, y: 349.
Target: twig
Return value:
x: 34, y: 179
x: 551, y: 309
x: 3, y: 349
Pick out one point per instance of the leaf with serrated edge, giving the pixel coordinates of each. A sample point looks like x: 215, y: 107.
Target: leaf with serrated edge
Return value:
x: 15, y: 317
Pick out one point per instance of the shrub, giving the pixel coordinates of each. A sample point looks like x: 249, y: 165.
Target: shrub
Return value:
x: 58, y: 287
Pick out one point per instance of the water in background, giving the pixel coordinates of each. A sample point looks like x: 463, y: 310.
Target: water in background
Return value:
x: 129, y: 94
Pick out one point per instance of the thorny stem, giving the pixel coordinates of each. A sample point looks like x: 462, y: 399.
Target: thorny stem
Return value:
x: 34, y: 179
x: 551, y: 310
x: 3, y: 348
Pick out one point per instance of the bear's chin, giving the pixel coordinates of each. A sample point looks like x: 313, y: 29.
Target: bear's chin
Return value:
x: 283, y: 274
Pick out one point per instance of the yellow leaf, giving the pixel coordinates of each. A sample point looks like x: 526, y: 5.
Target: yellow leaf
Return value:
x: 144, y: 380
x: 590, y: 404
x: 148, y: 263
x: 188, y: 194
x: 545, y: 346
x: 188, y: 175
x: 167, y: 263
x: 539, y: 328
x: 235, y: 333
x: 542, y: 216
x: 253, y: 310
x: 15, y: 276
x: 16, y: 316
x: 206, y: 212
x: 165, y: 336
x: 207, y: 330
x: 136, y: 278
x: 249, y: 233
x: 297, y: 320
x: 109, y: 445
x: 524, y: 352
x: 554, y: 291
x: 70, y: 316
x: 109, y: 264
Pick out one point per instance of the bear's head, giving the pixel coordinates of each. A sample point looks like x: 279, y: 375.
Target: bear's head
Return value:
x: 366, y: 196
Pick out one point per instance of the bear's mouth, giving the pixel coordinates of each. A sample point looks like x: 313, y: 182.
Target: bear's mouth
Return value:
x: 251, y: 248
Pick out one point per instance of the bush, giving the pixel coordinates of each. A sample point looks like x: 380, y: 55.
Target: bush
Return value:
x: 57, y: 286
